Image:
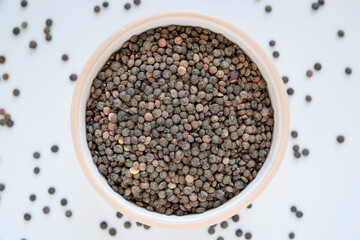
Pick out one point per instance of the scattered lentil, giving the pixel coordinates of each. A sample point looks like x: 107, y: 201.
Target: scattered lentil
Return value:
x: 127, y: 224
x: 36, y: 170
x: 2, y: 187
x: 24, y: 25
x: 119, y: 215
x: 340, y: 139
x: 299, y: 214
x: 127, y: 6
x: 68, y: 213
x: 23, y: 3
x: 211, y: 230
x: 32, y: 44
x: 290, y: 91
x: 293, y: 209
x: 285, y: 79
x: 309, y: 73
x: 137, y: 2
x: 16, y: 30
x: 2, y: 59
x: 27, y: 217
x: 291, y: 235
x: 51, y: 190
x: 315, y: 6
x: 49, y: 22
x: 294, y: 134
x: 272, y: 43
x: 36, y: 155
x: 63, y: 202
x: 97, y: 9
x: 46, y: 210
x: 105, y: 4
x: 276, y: 54
x: 112, y: 231
x: 348, y: 71
x: 268, y: 8
x: 317, y: 66
x: 305, y: 152
x: 308, y: 98
x: 64, y: 57
x: 32, y: 197
x: 235, y: 218
x: 248, y: 235
x: 238, y: 232
x: 224, y: 224
x: 103, y: 225
x: 341, y: 33
x: 16, y: 92
x: 73, y: 77
x: 54, y: 148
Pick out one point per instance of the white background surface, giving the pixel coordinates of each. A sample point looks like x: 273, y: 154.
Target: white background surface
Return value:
x: 325, y: 186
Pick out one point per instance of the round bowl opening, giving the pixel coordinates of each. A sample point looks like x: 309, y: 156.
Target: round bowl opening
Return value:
x: 275, y: 89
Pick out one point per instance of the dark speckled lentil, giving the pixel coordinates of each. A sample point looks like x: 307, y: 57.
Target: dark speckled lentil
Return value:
x: 103, y: 225
x: 291, y: 235
x: 235, y: 218
x: 32, y: 197
x: 51, y: 190
x: 248, y: 235
x: 238, y: 232
x: 211, y: 230
x: 112, y: 231
x: 127, y: 224
x: 2, y: 187
x: 63, y: 202
x: 340, y: 139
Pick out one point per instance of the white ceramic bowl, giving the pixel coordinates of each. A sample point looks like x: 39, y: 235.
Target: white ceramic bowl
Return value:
x: 275, y: 89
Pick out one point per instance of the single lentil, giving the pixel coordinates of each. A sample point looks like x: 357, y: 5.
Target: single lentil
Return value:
x: 238, y: 233
x: 103, y: 225
x: 137, y: 2
x: 16, y: 92
x: 105, y: 4
x: 127, y: 6
x: 54, y: 148
x: 317, y: 66
x: 32, y: 197
x: 73, y: 77
x: 112, y: 231
x: 294, y: 134
x: 308, y: 98
x: 290, y: 91
x: 16, y: 30
x: 291, y: 235
x: 348, y: 71
x: 51, y: 190
x: 32, y: 44
x: 68, y: 213
x: 63, y: 202
x: 276, y: 54
x: 341, y: 33
x: 97, y: 8
x: 24, y: 25
x: 127, y: 224
x: 46, y: 210
x: 248, y: 235
x: 36, y: 170
x: 305, y: 152
x: 340, y: 139
x: 36, y: 155
x: 64, y: 57
x: 268, y: 8
x: 27, y: 217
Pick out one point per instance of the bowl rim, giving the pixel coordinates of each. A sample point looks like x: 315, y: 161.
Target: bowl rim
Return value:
x: 157, y: 222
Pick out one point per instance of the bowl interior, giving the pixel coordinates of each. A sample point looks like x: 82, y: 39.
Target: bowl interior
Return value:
x: 235, y: 204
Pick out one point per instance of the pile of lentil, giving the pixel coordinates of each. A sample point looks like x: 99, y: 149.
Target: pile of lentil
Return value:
x: 179, y: 120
